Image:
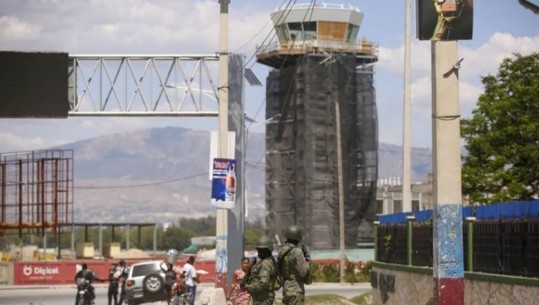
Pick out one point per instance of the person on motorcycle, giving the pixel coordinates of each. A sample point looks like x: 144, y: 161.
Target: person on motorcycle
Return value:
x: 170, y: 280
x: 84, y: 279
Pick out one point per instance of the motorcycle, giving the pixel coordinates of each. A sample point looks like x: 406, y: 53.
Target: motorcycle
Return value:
x: 179, y: 295
x: 180, y: 298
x: 85, y: 296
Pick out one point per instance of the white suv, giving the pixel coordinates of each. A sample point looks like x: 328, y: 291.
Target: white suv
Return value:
x: 145, y: 283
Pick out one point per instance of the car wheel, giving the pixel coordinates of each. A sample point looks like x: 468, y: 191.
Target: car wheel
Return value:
x: 153, y: 283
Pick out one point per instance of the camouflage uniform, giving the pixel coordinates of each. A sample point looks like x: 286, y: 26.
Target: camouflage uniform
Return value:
x: 295, y: 269
x: 261, y: 281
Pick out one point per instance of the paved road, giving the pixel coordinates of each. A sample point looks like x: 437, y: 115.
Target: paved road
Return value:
x: 65, y: 294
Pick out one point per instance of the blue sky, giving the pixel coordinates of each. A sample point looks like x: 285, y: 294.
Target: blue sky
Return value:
x: 501, y: 27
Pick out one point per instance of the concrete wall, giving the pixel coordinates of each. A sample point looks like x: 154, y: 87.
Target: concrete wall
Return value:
x: 62, y: 272
x: 6, y: 273
x: 392, y: 287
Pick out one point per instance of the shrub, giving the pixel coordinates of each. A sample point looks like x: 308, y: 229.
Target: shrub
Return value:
x: 329, y: 272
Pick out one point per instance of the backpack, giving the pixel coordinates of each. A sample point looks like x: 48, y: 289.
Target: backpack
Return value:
x: 170, y: 277
x: 308, y: 279
x: 82, y: 279
x: 279, y: 280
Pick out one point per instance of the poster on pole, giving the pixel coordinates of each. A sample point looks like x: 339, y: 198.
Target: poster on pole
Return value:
x: 223, y: 190
x: 444, y: 20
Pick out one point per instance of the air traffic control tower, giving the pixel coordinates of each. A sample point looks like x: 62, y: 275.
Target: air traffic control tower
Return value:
x: 317, y: 63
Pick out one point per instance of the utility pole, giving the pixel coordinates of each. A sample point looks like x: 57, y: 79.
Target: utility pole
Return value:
x: 341, y: 191
x: 221, y: 230
x: 406, y: 154
x: 448, y: 264
x: 447, y: 247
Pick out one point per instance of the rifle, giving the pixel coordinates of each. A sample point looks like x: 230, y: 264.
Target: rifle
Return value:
x: 247, y: 276
x: 306, y: 252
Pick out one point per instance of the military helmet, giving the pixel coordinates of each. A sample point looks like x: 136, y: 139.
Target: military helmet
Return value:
x: 293, y: 233
x: 264, y: 242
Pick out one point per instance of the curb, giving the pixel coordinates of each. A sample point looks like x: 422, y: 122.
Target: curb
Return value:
x: 202, y: 285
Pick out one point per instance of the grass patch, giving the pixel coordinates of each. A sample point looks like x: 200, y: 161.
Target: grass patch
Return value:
x: 331, y: 299
x: 362, y: 299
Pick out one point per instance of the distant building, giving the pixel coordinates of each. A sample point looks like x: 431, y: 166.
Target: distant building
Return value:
x: 319, y: 63
x: 389, y: 195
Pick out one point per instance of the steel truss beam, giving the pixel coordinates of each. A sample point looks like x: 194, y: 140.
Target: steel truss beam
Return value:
x: 143, y: 85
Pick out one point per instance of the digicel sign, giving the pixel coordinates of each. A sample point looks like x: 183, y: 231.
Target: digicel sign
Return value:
x: 54, y: 273
x: 28, y: 273
x: 39, y: 270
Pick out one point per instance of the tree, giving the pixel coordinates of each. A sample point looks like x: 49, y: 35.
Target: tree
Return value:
x: 253, y: 231
x: 176, y: 238
x: 502, y: 137
x: 201, y: 226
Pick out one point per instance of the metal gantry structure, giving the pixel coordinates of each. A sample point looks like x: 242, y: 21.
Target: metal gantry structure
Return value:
x: 36, y: 187
x: 143, y: 85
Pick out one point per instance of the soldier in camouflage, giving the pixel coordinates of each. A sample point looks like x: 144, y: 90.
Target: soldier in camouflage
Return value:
x: 261, y: 276
x: 295, y: 267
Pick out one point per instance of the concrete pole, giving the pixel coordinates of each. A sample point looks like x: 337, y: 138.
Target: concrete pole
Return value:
x: 154, y: 240
x: 100, y: 240
x: 406, y: 150
x: 448, y: 265
x: 59, y: 243
x: 73, y: 240
x: 341, y: 192
x: 45, y: 244
x: 221, y: 229
x: 128, y: 238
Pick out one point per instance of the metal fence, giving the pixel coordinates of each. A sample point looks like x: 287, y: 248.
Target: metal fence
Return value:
x: 498, y: 239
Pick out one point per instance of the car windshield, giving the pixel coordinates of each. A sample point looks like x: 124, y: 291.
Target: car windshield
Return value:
x: 146, y: 269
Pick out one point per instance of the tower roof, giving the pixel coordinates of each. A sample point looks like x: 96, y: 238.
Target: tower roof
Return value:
x: 319, y: 12
x: 315, y: 29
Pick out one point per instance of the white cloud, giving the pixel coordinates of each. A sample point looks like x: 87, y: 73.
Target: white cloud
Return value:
x: 480, y: 61
x: 392, y: 59
x: 469, y: 94
x: 13, y: 142
x: 421, y: 92
x: 12, y: 28
x: 487, y: 57
x: 192, y: 26
x: 113, y: 124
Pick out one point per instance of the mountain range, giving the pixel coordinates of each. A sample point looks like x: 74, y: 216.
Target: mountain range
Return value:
x: 161, y: 174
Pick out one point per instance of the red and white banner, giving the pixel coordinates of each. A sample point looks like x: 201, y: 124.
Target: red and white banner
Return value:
x: 52, y: 273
